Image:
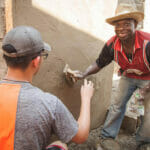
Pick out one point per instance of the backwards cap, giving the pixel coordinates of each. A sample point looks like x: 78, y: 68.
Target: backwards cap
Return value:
x: 26, y: 40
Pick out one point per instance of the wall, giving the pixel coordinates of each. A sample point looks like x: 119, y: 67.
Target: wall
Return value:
x: 2, y: 33
x: 147, y: 16
x: 2, y: 19
x: 76, y: 31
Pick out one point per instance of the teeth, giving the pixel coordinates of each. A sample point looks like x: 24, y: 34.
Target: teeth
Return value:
x: 121, y: 34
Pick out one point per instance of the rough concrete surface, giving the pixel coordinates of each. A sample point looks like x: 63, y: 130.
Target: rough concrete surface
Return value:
x: 75, y: 30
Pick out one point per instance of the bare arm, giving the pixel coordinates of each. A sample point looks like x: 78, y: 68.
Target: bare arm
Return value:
x: 105, y: 57
x: 84, y: 117
x: 92, y: 69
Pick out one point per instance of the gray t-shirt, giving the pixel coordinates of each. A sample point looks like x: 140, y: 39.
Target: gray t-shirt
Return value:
x: 39, y: 114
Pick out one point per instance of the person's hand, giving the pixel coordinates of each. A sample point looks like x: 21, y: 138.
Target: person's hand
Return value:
x: 58, y: 143
x: 136, y: 71
x: 78, y: 75
x: 87, y: 90
x: 72, y: 75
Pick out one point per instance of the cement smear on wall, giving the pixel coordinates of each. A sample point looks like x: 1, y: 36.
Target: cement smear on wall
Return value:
x: 76, y: 31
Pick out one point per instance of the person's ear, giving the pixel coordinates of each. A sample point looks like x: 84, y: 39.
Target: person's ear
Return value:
x: 135, y: 23
x: 36, y: 61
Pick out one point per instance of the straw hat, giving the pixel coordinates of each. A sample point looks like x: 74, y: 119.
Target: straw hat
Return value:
x: 124, y: 11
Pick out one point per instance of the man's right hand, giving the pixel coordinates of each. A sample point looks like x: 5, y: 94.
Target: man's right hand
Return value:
x: 92, y: 69
x: 72, y: 75
x: 75, y: 75
x: 78, y: 75
x: 87, y: 90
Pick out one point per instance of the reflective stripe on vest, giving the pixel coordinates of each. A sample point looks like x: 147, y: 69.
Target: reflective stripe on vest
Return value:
x: 8, y: 107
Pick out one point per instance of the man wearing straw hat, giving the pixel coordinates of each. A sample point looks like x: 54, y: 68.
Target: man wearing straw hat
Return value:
x: 130, y: 48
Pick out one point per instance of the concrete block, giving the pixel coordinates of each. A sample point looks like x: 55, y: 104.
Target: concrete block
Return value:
x: 129, y: 124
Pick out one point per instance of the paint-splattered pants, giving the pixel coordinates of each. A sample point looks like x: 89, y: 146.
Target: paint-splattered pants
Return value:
x: 117, y: 110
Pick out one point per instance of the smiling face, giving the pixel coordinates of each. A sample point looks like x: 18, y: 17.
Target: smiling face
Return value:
x: 125, y: 29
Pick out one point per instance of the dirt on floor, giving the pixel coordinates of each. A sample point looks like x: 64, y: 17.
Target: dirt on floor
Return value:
x: 126, y: 141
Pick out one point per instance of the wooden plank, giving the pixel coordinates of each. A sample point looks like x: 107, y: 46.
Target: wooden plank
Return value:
x: 8, y: 15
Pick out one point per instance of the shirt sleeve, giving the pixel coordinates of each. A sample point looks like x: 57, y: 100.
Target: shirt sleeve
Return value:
x: 106, y: 56
x: 65, y: 126
x: 148, y: 52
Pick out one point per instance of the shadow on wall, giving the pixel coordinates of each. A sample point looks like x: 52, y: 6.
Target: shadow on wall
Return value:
x: 72, y: 46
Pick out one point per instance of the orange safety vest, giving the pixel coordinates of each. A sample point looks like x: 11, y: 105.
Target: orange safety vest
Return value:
x: 8, y: 107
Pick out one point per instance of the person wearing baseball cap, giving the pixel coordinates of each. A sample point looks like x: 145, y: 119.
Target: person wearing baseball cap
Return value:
x: 28, y: 115
x: 129, y: 48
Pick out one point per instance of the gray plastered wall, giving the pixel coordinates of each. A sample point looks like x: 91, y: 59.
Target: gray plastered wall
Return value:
x: 77, y: 32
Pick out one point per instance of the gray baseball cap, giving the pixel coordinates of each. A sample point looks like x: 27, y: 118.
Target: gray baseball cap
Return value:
x: 26, y: 40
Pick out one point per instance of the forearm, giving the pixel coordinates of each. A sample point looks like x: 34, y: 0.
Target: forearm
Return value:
x: 84, y: 118
x: 92, y: 69
x: 83, y: 122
